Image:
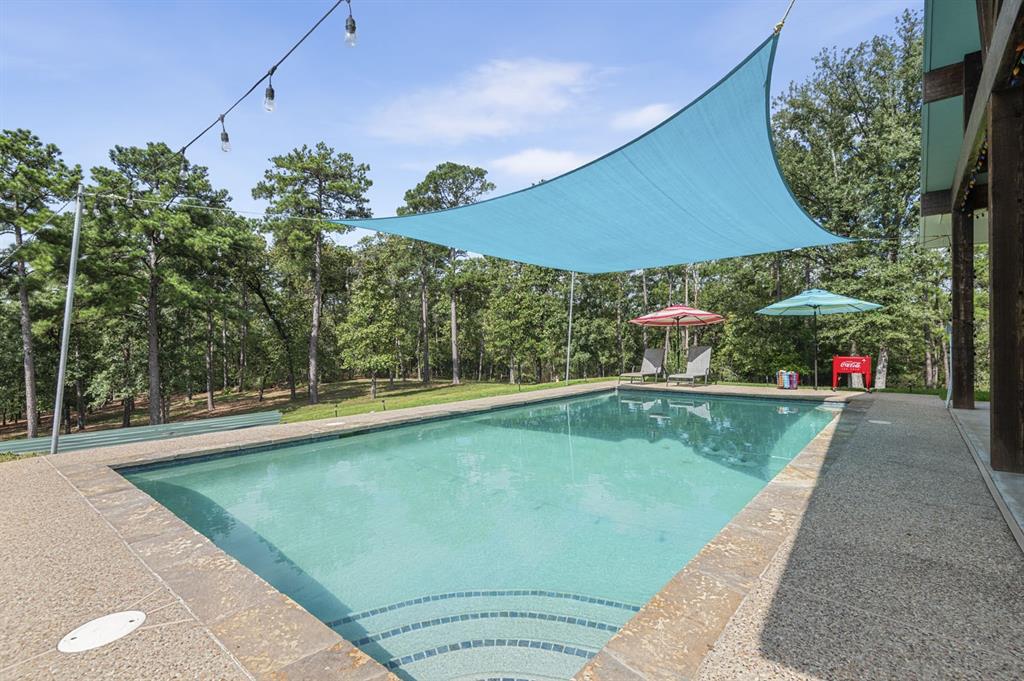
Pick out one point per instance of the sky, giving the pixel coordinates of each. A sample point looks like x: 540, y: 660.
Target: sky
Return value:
x: 527, y: 89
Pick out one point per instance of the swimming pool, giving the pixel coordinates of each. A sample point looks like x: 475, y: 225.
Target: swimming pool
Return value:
x: 508, y: 544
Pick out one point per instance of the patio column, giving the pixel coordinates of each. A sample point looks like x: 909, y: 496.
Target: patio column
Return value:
x: 1006, y: 262
x: 963, y: 267
x: 963, y: 309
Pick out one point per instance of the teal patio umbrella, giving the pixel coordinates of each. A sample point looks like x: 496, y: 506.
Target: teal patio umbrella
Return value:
x: 814, y: 302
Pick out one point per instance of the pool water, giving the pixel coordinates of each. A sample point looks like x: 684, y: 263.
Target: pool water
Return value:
x: 508, y: 544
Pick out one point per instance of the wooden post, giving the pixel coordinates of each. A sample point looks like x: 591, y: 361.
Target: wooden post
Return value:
x: 1006, y: 262
x: 963, y: 309
x: 963, y: 268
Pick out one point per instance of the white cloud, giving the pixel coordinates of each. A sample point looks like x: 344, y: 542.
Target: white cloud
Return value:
x: 539, y: 164
x: 644, y: 118
x: 501, y: 97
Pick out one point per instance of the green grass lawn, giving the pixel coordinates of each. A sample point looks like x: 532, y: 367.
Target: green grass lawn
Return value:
x: 405, y: 396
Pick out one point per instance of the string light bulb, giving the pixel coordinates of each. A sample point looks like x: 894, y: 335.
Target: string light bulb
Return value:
x: 350, y: 27
x: 183, y: 172
x: 268, y: 96
x: 225, y: 141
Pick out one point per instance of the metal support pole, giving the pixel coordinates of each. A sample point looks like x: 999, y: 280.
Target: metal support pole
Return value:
x: 568, y: 342
x: 69, y: 303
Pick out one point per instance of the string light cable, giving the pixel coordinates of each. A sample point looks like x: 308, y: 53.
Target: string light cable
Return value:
x: 269, y: 101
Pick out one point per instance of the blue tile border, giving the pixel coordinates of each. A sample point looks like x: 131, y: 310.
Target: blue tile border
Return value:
x: 484, y: 594
x: 490, y: 643
x: 489, y: 614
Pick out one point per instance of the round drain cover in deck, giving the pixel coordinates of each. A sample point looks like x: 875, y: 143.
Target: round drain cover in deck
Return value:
x: 101, y: 631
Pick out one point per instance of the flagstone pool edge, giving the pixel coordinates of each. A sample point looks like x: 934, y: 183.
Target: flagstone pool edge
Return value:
x: 271, y: 636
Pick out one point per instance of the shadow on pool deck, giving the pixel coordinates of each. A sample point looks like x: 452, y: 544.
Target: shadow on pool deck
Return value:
x: 902, y: 566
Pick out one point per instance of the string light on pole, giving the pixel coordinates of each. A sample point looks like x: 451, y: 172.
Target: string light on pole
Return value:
x: 268, y: 96
x: 225, y: 141
x: 350, y: 27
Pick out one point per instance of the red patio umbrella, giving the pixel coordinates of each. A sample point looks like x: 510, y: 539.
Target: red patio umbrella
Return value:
x: 678, y: 316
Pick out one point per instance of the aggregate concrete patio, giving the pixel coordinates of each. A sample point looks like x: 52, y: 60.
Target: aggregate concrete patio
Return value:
x: 878, y: 553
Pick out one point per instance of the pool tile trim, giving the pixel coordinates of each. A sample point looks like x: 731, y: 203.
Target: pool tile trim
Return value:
x: 268, y: 634
x: 445, y: 648
x: 492, y: 593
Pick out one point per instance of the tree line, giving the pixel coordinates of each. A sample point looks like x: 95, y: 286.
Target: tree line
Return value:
x: 179, y: 297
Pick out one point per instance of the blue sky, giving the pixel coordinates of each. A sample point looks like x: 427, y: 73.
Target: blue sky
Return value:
x: 527, y: 89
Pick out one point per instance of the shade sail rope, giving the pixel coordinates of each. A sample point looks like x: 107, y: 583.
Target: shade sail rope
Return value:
x: 704, y: 184
x: 782, y: 21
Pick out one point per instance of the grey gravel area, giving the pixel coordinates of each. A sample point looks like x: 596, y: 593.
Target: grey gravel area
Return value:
x: 902, y: 567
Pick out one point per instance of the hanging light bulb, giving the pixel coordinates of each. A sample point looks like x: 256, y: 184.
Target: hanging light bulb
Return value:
x: 129, y: 200
x: 183, y: 173
x: 225, y: 141
x: 96, y: 211
x: 350, y: 27
x: 268, y: 96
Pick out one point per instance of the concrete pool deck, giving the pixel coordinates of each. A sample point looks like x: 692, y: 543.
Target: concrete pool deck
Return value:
x: 880, y: 550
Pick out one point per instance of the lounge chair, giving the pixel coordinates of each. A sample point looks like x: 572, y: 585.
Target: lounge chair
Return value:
x: 653, y: 365
x: 698, y: 363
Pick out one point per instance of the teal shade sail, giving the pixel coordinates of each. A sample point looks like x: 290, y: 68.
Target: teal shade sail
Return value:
x: 702, y: 185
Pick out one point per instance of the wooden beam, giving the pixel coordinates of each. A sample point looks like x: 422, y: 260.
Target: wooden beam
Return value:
x: 986, y: 10
x: 943, y: 82
x: 962, y: 359
x: 937, y: 202
x: 1006, y: 278
x: 1004, y: 37
x: 971, y: 74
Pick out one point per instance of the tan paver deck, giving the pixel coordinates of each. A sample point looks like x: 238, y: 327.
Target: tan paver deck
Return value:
x: 885, y: 558
x: 901, y: 567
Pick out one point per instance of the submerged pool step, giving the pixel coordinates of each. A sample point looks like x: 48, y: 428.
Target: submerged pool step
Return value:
x: 485, y: 630
x: 537, y: 630
x: 523, y: 660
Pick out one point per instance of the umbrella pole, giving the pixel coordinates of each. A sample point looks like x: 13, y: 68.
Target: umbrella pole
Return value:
x: 677, y: 345
x: 815, y: 348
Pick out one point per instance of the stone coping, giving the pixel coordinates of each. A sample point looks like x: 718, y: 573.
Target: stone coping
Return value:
x: 272, y: 637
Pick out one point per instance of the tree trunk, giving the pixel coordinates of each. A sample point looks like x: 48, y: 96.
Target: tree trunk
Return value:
x: 512, y: 370
x: 286, y: 338
x: 209, y: 360
x: 79, y: 391
x: 153, y: 333
x: 929, y: 363
x: 455, y: 344
x: 314, y: 329
x: 643, y: 281
x: 424, y: 326
x: 126, y: 402
x: 619, y: 340
x: 31, y: 403
x: 882, y: 369
x: 243, y: 335
x: 373, y: 385
x: 480, y: 363
x: 224, y: 355
x: 856, y: 380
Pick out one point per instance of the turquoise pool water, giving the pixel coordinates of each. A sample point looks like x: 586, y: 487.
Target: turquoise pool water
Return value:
x: 508, y: 544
